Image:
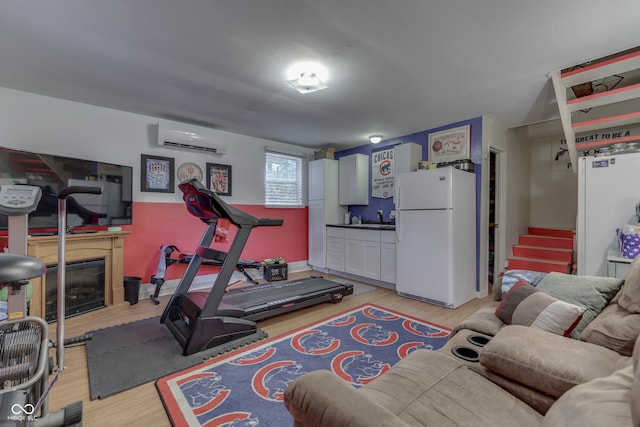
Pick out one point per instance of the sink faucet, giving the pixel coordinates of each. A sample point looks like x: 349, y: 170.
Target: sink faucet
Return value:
x: 380, y: 217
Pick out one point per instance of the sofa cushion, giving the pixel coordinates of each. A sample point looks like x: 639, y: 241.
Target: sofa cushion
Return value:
x: 322, y: 399
x: 591, y: 292
x: 546, y: 362
x: 539, y: 401
x: 428, y: 388
x: 610, y: 401
x: 614, y: 328
x: 525, y: 305
x: 601, y: 402
x: 630, y: 296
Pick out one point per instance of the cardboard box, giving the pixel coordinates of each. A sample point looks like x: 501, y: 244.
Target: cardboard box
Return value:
x: 324, y: 153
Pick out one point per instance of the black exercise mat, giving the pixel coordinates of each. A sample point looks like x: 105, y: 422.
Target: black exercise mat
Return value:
x: 128, y: 355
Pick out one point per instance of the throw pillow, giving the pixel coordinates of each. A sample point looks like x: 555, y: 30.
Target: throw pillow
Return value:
x: 591, y: 292
x: 527, y: 306
x: 511, y: 277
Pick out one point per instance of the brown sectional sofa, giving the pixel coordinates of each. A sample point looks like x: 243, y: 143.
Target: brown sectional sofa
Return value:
x: 523, y: 376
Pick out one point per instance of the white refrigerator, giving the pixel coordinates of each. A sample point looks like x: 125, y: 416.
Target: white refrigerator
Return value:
x: 608, y: 192
x: 436, y: 236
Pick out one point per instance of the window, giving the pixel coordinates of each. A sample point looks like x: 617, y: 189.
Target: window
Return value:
x: 285, y: 180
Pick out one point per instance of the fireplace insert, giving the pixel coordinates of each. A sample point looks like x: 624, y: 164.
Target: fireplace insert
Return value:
x: 85, y: 287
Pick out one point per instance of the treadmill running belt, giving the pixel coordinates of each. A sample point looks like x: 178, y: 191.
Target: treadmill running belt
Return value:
x: 258, y: 298
x: 258, y: 295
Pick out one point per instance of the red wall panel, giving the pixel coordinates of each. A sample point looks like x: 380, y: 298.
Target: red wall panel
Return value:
x: 157, y: 224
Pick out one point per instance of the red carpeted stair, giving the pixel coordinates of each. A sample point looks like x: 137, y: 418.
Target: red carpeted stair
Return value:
x: 544, y: 249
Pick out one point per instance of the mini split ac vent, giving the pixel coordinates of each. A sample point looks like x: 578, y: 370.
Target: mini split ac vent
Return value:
x: 193, y: 147
x: 183, y: 140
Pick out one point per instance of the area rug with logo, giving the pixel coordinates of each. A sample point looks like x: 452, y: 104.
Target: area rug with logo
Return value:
x: 246, y: 387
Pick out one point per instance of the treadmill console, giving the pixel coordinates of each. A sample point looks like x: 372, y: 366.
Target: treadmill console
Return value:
x: 19, y: 199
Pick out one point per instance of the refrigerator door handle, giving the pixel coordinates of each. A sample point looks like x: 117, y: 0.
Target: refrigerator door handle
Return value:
x: 396, y: 190
x: 398, y: 225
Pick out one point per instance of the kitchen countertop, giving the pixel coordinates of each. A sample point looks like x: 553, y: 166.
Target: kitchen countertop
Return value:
x: 390, y: 227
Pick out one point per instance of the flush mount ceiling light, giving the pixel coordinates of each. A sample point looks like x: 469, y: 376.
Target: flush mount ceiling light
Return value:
x: 375, y: 139
x: 307, y: 77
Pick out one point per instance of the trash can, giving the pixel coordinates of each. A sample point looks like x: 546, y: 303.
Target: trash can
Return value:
x: 131, y: 289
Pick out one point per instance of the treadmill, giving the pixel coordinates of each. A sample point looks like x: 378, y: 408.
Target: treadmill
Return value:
x: 201, y: 320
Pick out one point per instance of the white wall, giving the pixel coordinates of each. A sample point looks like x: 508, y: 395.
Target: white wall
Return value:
x: 54, y: 126
x: 517, y: 201
x: 553, y: 184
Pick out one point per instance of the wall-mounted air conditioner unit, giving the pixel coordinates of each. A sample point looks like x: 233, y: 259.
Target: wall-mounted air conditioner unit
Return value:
x: 185, y: 140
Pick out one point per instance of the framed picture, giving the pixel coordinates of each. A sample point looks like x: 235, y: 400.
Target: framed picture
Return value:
x: 449, y: 145
x: 157, y: 174
x: 219, y: 179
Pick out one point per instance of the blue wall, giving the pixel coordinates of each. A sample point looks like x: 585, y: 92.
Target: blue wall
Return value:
x: 368, y: 213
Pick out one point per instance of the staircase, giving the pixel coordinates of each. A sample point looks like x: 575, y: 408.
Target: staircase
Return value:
x: 545, y: 250
x: 585, y: 87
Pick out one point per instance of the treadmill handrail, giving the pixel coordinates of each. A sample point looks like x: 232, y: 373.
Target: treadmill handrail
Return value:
x: 267, y: 222
x: 208, y: 206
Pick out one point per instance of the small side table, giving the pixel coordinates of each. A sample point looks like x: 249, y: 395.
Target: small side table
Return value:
x: 617, y: 265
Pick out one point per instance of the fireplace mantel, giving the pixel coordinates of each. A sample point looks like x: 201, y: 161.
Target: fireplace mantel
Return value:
x: 103, y: 244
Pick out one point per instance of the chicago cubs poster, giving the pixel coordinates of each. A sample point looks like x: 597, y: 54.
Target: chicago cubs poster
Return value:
x: 382, y: 174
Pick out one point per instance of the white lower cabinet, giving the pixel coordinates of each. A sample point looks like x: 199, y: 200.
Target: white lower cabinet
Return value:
x: 388, y: 262
x: 362, y: 258
x: 371, y: 268
x: 354, y: 257
x: 335, y: 253
x: 335, y: 248
x: 365, y: 253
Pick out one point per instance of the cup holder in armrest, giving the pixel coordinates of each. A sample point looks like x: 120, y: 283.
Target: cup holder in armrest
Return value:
x: 479, y: 340
x: 466, y: 353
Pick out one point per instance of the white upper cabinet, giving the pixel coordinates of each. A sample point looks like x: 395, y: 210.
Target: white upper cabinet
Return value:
x: 323, y: 180
x: 354, y: 180
x: 406, y: 157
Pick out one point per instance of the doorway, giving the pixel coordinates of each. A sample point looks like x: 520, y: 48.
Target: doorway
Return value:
x: 493, y: 246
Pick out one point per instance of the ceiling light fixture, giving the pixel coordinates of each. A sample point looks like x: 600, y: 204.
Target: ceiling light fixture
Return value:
x: 307, y: 77
x: 375, y: 139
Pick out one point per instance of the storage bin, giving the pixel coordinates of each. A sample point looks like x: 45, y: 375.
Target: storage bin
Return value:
x: 275, y: 272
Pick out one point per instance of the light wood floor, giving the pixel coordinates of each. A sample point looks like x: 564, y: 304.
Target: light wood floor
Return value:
x: 141, y: 406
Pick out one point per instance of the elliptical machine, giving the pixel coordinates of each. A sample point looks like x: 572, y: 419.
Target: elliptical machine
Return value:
x: 24, y: 340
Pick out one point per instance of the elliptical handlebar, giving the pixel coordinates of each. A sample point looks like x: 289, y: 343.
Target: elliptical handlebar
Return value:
x: 62, y: 226
x: 67, y: 191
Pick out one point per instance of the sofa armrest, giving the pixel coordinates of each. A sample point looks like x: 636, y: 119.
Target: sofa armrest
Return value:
x: 483, y: 320
x: 322, y: 399
x: 549, y: 363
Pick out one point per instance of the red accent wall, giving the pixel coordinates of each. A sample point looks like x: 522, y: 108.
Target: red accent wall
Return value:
x: 157, y: 224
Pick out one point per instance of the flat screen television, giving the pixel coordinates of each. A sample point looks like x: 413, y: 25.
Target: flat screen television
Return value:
x: 53, y: 173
